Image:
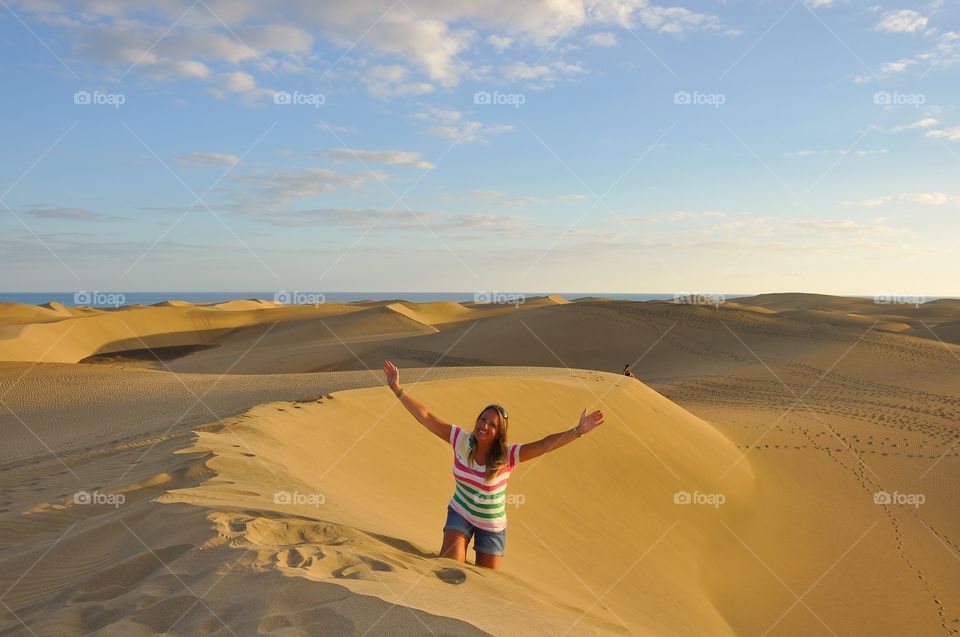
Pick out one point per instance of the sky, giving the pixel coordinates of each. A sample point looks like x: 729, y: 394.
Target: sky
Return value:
x: 696, y: 146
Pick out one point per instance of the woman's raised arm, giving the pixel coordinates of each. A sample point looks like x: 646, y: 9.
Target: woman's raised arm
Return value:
x: 437, y: 426
x: 588, y: 422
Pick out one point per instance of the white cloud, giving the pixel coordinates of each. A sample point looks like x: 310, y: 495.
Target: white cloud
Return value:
x: 281, y: 188
x: 929, y: 198
x: 466, y: 224
x: 389, y: 157
x: 926, y: 122
x: 815, y: 4
x: 902, y: 21
x: 500, y: 42
x: 603, y: 38
x: 874, y: 152
x: 538, y: 76
x: 944, y: 52
x: 239, y: 82
x: 71, y: 214
x: 838, y: 226
x: 950, y: 134
x: 432, y: 40
x: 450, y: 125
x: 500, y: 198
x: 225, y: 159
x: 675, y: 215
x: 392, y: 80
x: 925, y: 198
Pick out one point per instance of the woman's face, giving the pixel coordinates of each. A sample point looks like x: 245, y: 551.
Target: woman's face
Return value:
x: 488, y: 426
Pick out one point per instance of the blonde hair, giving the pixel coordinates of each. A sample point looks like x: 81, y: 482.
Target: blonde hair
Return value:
x: 497, y: 455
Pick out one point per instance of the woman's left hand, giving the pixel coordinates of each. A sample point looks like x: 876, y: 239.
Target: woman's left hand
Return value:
x: 589, y: 422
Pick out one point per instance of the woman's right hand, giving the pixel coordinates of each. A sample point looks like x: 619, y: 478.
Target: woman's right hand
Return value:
x: 392, y: 374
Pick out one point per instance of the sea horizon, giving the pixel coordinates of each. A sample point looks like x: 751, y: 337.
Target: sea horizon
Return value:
x: 127, y: 298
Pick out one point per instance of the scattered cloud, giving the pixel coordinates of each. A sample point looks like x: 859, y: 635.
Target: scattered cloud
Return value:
x: 411, y: 46
x: 389, y: 157
x: 675, y: 215
x: 69, y: 214
x: 929, y: 198
x: 902, y: 21
x: 392, y: 219
x: 539, y: 76
x: 391, y: 81
x: 224, y: 159
x: 949, y: 134
x: 925, y: 198
x: 281, y: 188
x: 452, y: 126
x: 603, y: 38
x: 500, y: 42
x: 500, y: 198
x: 874, y: 152
x: 926, y: 122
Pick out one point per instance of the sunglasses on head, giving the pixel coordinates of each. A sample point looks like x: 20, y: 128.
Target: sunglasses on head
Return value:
x: 500, y: 410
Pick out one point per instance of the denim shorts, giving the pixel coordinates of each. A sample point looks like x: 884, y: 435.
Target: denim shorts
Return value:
x: 488, y: 542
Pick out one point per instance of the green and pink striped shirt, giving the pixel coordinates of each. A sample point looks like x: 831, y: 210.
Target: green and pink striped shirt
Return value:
x: 482, y: 502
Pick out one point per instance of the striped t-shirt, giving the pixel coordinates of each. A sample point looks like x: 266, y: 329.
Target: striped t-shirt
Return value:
x: 482, y: 502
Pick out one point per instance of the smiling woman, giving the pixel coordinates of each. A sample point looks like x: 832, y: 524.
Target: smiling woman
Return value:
x: 482, y: 464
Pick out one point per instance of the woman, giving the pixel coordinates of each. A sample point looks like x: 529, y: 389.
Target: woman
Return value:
x: 482, y: 463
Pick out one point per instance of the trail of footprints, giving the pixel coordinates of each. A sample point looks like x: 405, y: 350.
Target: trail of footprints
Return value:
x: 841, y: 401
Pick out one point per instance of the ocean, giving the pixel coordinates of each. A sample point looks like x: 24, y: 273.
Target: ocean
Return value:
x: 93, y: 298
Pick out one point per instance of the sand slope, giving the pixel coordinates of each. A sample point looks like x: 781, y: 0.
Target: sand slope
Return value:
x: 607, y: 500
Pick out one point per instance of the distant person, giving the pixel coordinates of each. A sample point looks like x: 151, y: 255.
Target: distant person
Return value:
x: 627, y: 372
x: 482, y: 463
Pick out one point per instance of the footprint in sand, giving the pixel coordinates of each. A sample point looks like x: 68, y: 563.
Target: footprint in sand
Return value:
x: 451, y: 575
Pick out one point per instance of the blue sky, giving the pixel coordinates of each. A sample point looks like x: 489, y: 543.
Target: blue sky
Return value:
x: 599, y: 145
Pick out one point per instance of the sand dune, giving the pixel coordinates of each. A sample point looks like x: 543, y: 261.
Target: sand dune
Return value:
x: 286, y: 448
x: 800, y: 411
